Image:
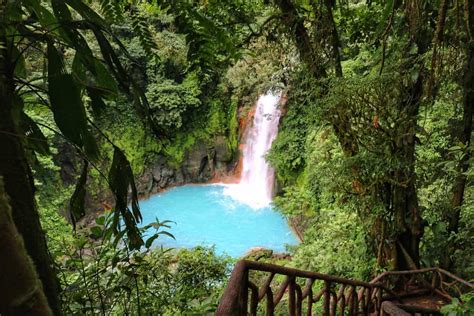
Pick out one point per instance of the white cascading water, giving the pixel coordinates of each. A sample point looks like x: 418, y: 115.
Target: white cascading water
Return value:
x: 256, y: 184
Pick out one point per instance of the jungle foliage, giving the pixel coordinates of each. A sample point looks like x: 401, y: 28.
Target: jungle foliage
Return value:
x: 374, y: 152
x: 373, y: 157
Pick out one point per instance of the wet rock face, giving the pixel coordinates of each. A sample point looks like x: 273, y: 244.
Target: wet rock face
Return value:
x: 200, y: 164
x: 197, y: 166
x: 155, y: 178
x: 222, y: 150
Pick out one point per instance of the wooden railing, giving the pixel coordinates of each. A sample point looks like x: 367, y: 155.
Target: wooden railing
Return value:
x: 328, y: 295
x: 292, y: 292
x: 435, y: 283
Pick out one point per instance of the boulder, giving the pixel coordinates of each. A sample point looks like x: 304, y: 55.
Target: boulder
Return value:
x: 258, y: 253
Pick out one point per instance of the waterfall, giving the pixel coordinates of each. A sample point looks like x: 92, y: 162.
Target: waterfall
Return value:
x: 256, y: 184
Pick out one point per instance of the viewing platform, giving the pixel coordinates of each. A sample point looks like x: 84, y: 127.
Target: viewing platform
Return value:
x: 288, y: 291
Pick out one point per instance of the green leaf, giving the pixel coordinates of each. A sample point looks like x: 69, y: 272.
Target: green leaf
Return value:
x: 150, y: 240
x: 96, y: 231
x: 87, y: 13
x: 55, y: 61
x: 105, y: 81
x: 120, y: 181
x: 167, y: 234
x: 111, y: 9
x: 111, y: 59
x: 61, y: 10
x: 20, y: 65
x: 71, y: 34
x: 100, y: 220
x: 142, y: 31
x: 76, y: 204
x: 44, y: 16
x: 90, y: 146
x: 101, y: 79
x: 97, y: 104
x: 34, y: 136
x: 78, y: 70
x: 67, y: 106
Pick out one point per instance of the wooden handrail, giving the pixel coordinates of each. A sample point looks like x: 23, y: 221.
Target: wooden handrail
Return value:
x: 234, y: 301
x: 337, y: 295
x: 420, y: 271
x: 273, y: 268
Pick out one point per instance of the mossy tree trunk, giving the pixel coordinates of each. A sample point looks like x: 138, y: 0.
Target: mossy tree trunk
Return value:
x: 408, y: 226
x: 21, y: 291
x: 459, y: 186
x: 18, y: 180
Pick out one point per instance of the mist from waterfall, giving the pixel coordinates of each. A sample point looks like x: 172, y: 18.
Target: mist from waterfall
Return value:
x: 256, y: 184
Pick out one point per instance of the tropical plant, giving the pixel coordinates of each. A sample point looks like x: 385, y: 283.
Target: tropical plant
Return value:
x: 49, y: 31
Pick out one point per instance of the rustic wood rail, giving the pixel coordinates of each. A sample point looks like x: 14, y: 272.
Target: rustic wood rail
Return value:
x: 336, y: 296
x: 435, y: 287
x: 330, y: 295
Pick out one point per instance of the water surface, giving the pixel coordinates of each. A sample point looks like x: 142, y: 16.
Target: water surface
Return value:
x: 204, y: 215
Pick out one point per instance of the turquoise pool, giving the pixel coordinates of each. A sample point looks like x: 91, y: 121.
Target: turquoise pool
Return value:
x: 204, y: 215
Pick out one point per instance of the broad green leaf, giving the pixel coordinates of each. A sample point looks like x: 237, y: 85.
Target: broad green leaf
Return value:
x: 97, y: 103
x: 105, y: 81
x: 90, y: 146
x: 87, y: 13
x: 120, y: 181
x: 71, y: 34
x: 34, y: 136
x: 78, y: 70
x: 55, y: 61
x: 20, y: 65
x: 150, y: 240
x: 76, y: 204
x: 67, y: 106
x: 111, y: 59
x: 44, y: 16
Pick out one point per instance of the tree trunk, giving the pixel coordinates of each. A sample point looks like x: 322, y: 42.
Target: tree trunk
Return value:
x: 402, y: 250
x: 465, y: 137
x: 405, y: 198
x: 21, y: 291
x: 335, y: 42
x: 301, y: 37
x: 19, y: 182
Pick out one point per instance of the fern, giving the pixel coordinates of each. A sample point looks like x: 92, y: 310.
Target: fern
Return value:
x: 111, y: 10
x: 141, y: 29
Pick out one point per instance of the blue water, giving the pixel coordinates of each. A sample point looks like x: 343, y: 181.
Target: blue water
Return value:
x: 203, y: 215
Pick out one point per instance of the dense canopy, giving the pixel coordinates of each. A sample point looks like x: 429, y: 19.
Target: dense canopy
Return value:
x: 105, y: 102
